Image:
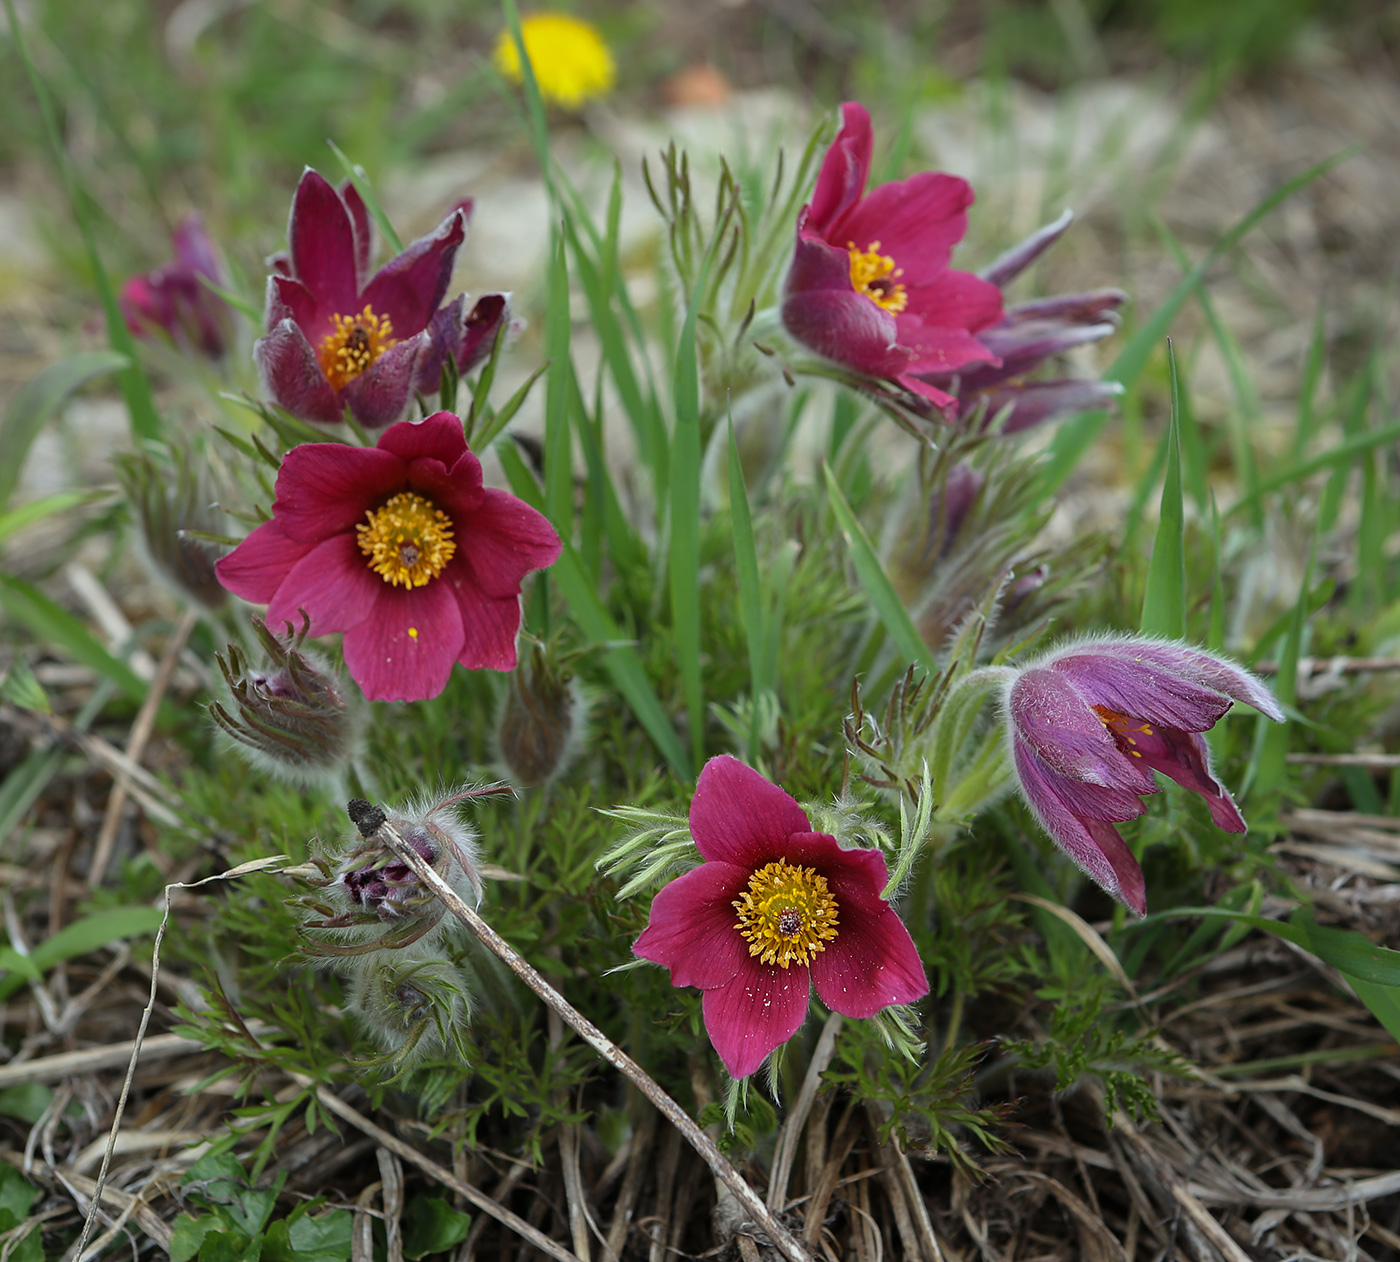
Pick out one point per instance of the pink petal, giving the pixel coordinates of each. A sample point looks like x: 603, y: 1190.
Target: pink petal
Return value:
x: 321, y: 235
x: 410, y: 287
x: 505, y: 539
x: 936, y: 350
x: 847, y: 328
x: 870, y: 964
x: 1185, y: 757
x: 381, y: 394
x: 438, y: 436
x: 956, y: 300
x: 1051, y: 716
x: 289, y: 298
x: 1204, y: 668
x: 845, y: 169
x: 333, y: 583
x: 761, y: 1008
x: 736, y: 816
x: 405, y: 649
x: 257, y: 567
x: 917, y: 222
x: 490, y: 624
x: 693, y: 927
x: 292, y: 376
x: 1142, y: 690
x: 325, y: 489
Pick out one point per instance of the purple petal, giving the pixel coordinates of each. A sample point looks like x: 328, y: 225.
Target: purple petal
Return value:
x: 1050, y: 714
x: 1036, y: 402
x: 1207, y: 669
x: 1095, y: 801
x: 693, y: 928
x: 405, y: 649
x: 1020, y: 256
x: 1142, y: 691
x: 364, y: 233
x: 292, y: 376
x: 1185, y: 757
x: 322, y: 239
x: 846, y: 328
x: 326, y: 488
x: 845, y: 169
x: 381, y: 394
x: 1093, y: 307
x: 444, y: 336
x: 482, y: 325
x: 761, y: 1008
x: 409, y: 288
x: 289, y: 299
x: 194, y: 251
x: 257, y: 567
x: 736, y: 816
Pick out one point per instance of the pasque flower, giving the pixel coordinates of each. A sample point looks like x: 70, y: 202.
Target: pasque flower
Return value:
x: 775, y: 909
x: 400, y: 547
x: 337, y: 337
x: 173, y: 301
x: 870, y: 287
x: 1090, y: 722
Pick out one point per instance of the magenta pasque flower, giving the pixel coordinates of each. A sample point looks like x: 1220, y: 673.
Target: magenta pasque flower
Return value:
x: 401, y: 548
x: 1090, y: 722
x: 172, y: 300
x: 337, y: 337
x: 775, y: 909
x: 870, y: 287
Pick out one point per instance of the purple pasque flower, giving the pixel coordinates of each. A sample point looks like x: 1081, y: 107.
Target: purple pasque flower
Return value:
x: 1025, y: 337
x: 174, y: 301
x: 337, y: 337
x: 467, y: 337
x: 870, y: 287
x: 1091, y: 721
x: 774, y: 910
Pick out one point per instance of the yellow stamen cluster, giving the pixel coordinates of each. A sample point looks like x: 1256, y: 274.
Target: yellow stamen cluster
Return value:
x: 873, y: 273
x: 408, y: 541
x: 357, y: 342
x: 571, y: 62
x: 787, y: 914
x: 1122, y: 725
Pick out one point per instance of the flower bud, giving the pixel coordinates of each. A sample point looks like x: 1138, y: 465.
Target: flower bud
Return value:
x: 412, y: 1008
x: 289, y: 717
x: 169, y: 505
x: 542, y: 718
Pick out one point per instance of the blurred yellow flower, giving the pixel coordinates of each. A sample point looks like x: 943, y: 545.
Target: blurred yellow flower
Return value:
x: 572, y: 64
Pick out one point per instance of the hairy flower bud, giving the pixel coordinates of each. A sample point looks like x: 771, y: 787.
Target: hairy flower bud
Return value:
x: 412, y: 1008
x: 289, y: 716
x: 541, y: 721
x: 170, y: 504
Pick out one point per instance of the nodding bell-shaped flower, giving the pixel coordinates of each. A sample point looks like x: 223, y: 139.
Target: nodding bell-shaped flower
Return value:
x: 173, y: 302
x: 371, y: 901
x: 412, y: 1008
x: 1090, y: 722
x: 541, y: 723
x: 290, y: 715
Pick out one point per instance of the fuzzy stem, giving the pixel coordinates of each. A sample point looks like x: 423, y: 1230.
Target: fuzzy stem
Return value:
x: 786, y: 1243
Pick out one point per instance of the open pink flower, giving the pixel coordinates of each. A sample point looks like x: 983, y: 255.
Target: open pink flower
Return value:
x: 775, y: 909
x: 870, y: 287
x: 400, y: 547
x: 338, y: 338
x: 1090, y: 723
x: 172, y: 300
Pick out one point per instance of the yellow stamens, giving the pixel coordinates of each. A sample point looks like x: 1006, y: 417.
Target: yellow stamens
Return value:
x: 1121, y: 725
x: 787, y: 914
x: 357, y: 342
x: 872, y: 274
x: 408, y: 541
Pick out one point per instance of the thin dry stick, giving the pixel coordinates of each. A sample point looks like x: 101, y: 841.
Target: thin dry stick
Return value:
x: 391, y: 1175
x: 372, y: 821
x: 1347, y: 760
x: 136, y: 744
x: 792, y: 1127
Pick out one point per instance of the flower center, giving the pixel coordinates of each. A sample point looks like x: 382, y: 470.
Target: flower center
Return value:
x: 1121, y: 727
x: 873, y: 274
x: 787, y: 914
x: 408, y: 541
x: 357, y: 342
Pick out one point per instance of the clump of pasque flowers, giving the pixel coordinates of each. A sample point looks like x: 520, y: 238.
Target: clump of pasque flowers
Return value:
x: 373, y: 921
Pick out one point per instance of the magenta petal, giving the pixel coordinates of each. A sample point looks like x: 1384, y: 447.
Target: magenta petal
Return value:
x: 1129, y: 886
x: 934, y: 350
x: 917, y: 222
x: 760, y: 1009
x: 845, y: 169
x: 1052, y: 716
x: 1036, y: 402
x: 292, y: 376
x: 736, y: 816
x: 1204, y: 668
x: 490, y: 624
x: 409, y: 288
x: 1141, y: 690
x: 289, y: 298
x: 1097, y: 801
x: 847, y: 328
x: 405, y: 649
x: 483, y: 323
x: 506, y: 539
x: 256, y: 568
x: 870, y: 964
x: 1021, y: 255
x: 321, y: 235
x: 693, y: 928
x: 326, y: 488
x: 438, y: 437
x: 381, y: 394
x: 364, y: 233
x: 958, y: 300
x: 1185, y: 757
x: 333, y: 583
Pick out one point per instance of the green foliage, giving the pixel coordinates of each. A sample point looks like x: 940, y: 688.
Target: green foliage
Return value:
x: 21, y: 1237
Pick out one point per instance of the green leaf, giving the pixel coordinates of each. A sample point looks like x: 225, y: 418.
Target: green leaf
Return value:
x: 21, y: 688
x: 230, y: 1246
x: 558, y: 445
x: 79, y: 938
x: 1383, y: 1001
x: 187, y: 1235
x: 433, y: 1227
x: 304, y: 1237
x: 357, y: 176
x: 750, y: 594
x: 883, y: 597
x: 25, y: 1101
x: 1164, y: 605
x: 37, y: 401
x: 12, y: 522
x: 16, y: 1194
x: 684, y: 553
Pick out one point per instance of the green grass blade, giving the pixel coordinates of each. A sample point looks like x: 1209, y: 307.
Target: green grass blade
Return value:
x: 558, y: 444
x: 683, y: 566
x: 1164, y: 604
x: 12, y: 522
x: 750, y: 596
x: 1336, y: 458
x: 883, y: 598
x: 357, y: 176
x: 534, y: 102
x: 37, y: 400
x: 74, y: 940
